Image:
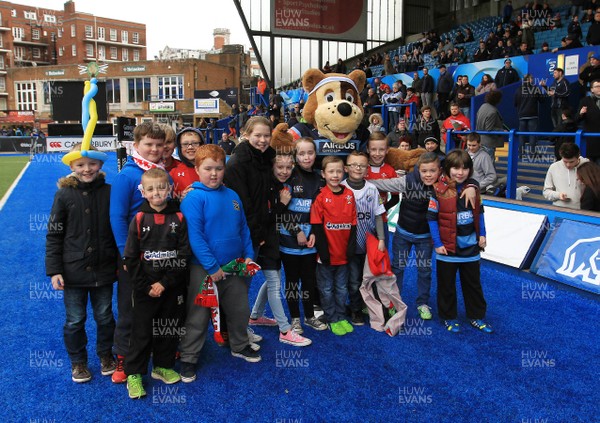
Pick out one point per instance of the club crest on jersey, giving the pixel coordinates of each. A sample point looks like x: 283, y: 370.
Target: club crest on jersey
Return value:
x: 349, y: 199
x: 298, y: 189
x: 236, y: 205
x: 173, y: 226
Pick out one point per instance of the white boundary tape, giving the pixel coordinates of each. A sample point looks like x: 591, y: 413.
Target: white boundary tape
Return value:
x: 13, y: 186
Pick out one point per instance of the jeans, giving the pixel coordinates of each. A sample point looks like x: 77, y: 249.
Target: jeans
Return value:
x: 74, y: 330
x: 394, y: 117
x: 355, y: 274
x: 529, y: 125
x: 271, y: 291
x: 332, y: 282
x: 401, y: 248
x: 556, y: 115
x: 466, y: 111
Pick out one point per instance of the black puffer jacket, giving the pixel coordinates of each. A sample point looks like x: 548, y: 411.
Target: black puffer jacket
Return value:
x: 80, y: 243
x: 248, y: 173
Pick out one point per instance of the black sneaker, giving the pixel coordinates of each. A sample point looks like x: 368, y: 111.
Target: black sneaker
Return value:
x: 247, y: 354
x: 357, y: 318
x: 108, y: 365
x: 187, y: 372
x: 80, y: 373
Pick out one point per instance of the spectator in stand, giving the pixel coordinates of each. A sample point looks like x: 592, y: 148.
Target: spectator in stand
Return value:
x: 527, y: 34
x: 524, y: 50
x: 427, y: 88
x: 401, y: 87
x: 559, y: 92
x: 572, y: 42
x: 426, y: 126
x: 545, y: 48
x: 393, y: 100
x: 227, y: 144
x: 388, y: 68
x: 340, y: 67
x: 377, y: 87
x: 499, y: 51
x: 327, y: 68
x: 487, y: 84
x: 593, y: 35
x: 507, y: 75
x: 481, y: 53
x: 460, y: 37
x: 367, y: 71
x: 417, y: 84
x: 444, y: 88
x: 567, y: 124
x: 371, y: 101
x: 411, y: 97
x: 589, y: 114
x: 469, y: 35
x: 401, y: 131
x: 489, y: 119
x: 491, y: 41
x: 483, y: 167
x: 507, y: 12
x: 464, y: 94
x: 576, y: 6
x: 590, y: 72
x: 561, y: 185
x: 511, y: 50
x: 293, y: 120
x: 405, y: 144
x: 589, y: 176
x: 588, y: 17
x: 574, y: 27
x: 499, y: 31
x: 457, y: 122
x: 527, y: 100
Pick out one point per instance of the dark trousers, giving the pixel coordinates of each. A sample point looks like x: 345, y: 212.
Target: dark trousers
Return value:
x: 470, y: 283
x: 76, y: 300
x: 156, y: 327
x: 443, y: 102
x: 124, y: 311
x: 355, y: 275
x: 300, y: 268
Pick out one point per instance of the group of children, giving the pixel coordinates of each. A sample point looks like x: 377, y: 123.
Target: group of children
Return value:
x: 262, y: 205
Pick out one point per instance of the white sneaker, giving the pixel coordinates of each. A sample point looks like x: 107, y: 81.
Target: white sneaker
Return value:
x: 253, y: 337
x: 296, y: 327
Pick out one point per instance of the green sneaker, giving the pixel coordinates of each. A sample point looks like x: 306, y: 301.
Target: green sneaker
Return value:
x: 424, y: 312
x: 337, y: 328
x: 168, y: 376
x: 135, y: 387
x: 347, y: 326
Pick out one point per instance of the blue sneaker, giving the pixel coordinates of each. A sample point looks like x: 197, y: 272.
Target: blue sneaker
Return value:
x: 481, y: 325
x: 452, y: 326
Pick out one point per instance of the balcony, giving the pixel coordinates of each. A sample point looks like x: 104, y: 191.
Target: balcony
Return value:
x: 36, y: 43
x: 113, y: 43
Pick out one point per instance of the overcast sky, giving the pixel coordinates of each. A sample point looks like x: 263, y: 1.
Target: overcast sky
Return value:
x: 176, y: 23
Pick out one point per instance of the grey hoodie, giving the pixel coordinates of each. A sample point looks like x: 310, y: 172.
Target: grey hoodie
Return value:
x: 560, y: 179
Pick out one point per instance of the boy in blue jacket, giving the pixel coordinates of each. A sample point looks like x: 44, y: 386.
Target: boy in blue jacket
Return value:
x: 218, y: 234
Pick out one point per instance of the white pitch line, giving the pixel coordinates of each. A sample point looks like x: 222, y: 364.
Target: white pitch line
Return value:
x: 13, y: 186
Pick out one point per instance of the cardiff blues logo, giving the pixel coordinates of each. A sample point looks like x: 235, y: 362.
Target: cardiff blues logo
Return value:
x: 582, y: 260
x: 551, y: 65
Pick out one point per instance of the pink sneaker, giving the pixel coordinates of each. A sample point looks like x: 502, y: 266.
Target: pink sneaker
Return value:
x: 292, y: 338
x: 263, y: 321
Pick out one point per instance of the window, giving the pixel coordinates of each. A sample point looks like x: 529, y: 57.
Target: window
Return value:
x: 30, y: 15
x: 50, y: 18
x: 73, y: 31
x: 19, y: 53
x: 89, y: 31
x: 113, y: 91
x: 61, y: 51
x: 35, y: 34
x: 1, y: 62
x: 1, y: 42
x: 60, y: 32
x: 36, y: 52
x: 135, y: 38
x: 3, y: 104
x: 74, y: 50
x: 114, y: 53
x: 113, y: 34
x: 18, y: 33
x: 139, y: 89
x: 170, y: 87
x: 13, y: 13
x: 89, y: 50
x: 124, y: 36
x: 2, y: 84
x: 125, y: 55
x: 101, y: 53
x: 26, y: 96
x: 136, y: 55
x: 100, y: 33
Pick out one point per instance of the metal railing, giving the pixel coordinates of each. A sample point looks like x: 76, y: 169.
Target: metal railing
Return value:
x: 513, y: 148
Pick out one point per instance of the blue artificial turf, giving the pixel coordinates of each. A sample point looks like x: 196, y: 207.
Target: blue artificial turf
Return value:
x: 540, y: 365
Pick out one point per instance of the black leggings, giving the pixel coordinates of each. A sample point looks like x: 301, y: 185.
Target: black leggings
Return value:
x: 298, y: 268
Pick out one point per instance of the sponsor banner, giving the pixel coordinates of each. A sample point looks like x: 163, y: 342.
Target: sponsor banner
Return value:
x: 161, y: 106
x: 64, y: 144
x: 329, y: 148
x: 571, y: 255
x: 340, y: 20
x: 229, y: 95
x: 511, y: 244
x: 56, y: 72
x: 206, y: 106
x: 15, y: 144
x: 125, y: 129
x: 138, y: 68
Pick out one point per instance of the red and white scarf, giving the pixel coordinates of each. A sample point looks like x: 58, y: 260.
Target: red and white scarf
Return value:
x: 146, y: 164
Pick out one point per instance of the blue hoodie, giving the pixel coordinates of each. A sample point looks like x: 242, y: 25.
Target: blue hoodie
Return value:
x: 217, y: 226
x: 125, y: 201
